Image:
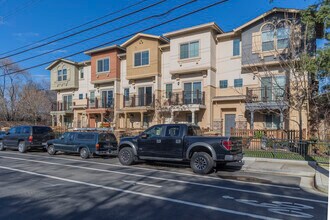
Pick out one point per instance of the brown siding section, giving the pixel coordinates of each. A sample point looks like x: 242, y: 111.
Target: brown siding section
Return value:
x: 142, y: 44
x: 114, y: 65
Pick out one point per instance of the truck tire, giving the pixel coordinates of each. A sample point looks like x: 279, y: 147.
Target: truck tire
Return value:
x: 2, y: 146
x: 51, y: 150
x: 201, y: 163
x: 126, y: 156
x: 84, y: 153
x: 22, y: 147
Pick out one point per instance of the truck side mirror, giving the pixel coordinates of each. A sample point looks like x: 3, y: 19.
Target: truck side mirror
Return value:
x: 144, y: 136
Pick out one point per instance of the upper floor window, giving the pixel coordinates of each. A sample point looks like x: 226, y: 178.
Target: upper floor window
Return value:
x: 267, y: 37
x: 189, y: 50
x: 81, y: 73
x: 141, y: 58
x: 236, y: 47
x: 223, y: 84
x: 62, y: 74
x: 126, y: 94
x: 282, y: 35
x: 81, y: 96
x: 238, y: 83
x: 103, y: 65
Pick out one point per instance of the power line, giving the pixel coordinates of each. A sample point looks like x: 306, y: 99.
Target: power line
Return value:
x: 124, y: 37
x: 87, y: 29
x: 104, y: 33
x: 76, y: 27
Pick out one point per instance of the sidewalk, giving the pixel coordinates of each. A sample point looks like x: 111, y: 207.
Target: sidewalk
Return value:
x: 302, y: 169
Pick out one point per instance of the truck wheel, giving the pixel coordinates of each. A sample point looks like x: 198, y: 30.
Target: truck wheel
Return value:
x: 84, y: 154
x: 201, y: 163
x: 2, y: 146
x: 126, y: 156
x: 51, y: 150
x: 22, y: 147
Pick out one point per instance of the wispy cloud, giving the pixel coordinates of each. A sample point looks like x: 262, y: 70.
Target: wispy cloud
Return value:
x: 26, y: 34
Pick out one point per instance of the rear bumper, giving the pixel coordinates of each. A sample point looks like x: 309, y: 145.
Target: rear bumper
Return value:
x: 103, y: 152
x: 232, y: 158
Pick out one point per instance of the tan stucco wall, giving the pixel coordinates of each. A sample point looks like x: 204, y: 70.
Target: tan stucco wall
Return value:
x: 72, y: 77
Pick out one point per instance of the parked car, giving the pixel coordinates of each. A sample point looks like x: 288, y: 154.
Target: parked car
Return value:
x: 84, y: 143
x: 25, y: 138
x: 180, y: 142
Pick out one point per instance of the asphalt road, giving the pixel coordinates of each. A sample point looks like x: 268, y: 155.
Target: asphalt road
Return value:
x: 38, y: 186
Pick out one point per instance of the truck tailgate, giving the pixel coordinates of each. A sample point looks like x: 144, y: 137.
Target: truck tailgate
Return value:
x: 236, y: 144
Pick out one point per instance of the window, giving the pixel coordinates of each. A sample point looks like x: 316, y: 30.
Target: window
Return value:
x: 126, y: 94
x: 236, y: 47
x: 141, y: 58
x: 107, y: 99
x: 172, y: 131
x: 238, y: 82
x: 192, y: 93
x: 12, y: 130
x: 59, y: 75
x: 62, y: 74
x: 65, y: 75
x: 168, y: 90
x: 85, y: 136
x: 189, y: 50
x: 81, y: 73
x: 26, y: 130
x: 18, y: 130
x: 223, y: 84
x: 145, y: 96
x: 267, y: 37
x: 92, y: 97
x: 282, y: 35
x: 81, y: 96
x: 41, y: 130
x: 154, y: 131
x: 103, y: 65
x: 194, y: 131
x: 67, y: 99
x: 272, y: 121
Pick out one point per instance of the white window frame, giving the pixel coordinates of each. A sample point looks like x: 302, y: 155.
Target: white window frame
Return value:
x: 97, y: 65
x: 141, y: 51
x: 189, y: 57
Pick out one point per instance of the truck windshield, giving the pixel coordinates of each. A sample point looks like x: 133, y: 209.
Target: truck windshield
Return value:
x: 194, y: 131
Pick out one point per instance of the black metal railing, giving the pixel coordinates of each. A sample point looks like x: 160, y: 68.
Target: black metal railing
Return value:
x: 139, y: 100
x: 266, y: 94
x: 185, y: 98
x: 103, y: 103
x: 62, y: 106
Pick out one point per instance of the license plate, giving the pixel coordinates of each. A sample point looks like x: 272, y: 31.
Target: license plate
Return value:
x: 44, y: 144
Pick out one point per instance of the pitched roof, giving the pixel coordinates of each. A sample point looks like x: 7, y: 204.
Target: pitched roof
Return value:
x: 89, y: 52
x: 266, y: 14
x: 137, y: 36
x: 211, y: 25
x: 58, y: 61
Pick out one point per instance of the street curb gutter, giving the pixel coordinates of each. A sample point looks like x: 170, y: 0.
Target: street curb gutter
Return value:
x: 298, y: 162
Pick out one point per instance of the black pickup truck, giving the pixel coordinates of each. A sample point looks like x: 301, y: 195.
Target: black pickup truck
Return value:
x: 180, y: 142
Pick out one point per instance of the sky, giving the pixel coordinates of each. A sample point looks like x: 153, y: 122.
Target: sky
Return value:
x: 23, y: 22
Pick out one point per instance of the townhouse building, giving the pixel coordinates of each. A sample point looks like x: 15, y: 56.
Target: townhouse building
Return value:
x: 218, y: 80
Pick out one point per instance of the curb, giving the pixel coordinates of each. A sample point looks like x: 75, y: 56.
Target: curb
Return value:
x: 298, y: 162
x: 293, y: 173
x: 319, y: 183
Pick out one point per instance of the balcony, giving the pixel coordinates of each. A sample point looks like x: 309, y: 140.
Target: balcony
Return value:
x: 266, y: 97
x: 185, y: 98
x: 65, y: 107
x: 101, y: 104
x: 80, y: 103
x: 139, y: 101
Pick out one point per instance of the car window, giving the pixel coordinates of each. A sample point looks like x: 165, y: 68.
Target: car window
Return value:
x: 65, y: 136
x: 194, y: 131
x: 71, y: 136
x: 41, y: 130
x: 104, y: 137
x: 12, y: 130
x: 154, y: 131
x: 18, y: 130
x: 85, y: 136
x: 172, y: 131
x: 26, y: 130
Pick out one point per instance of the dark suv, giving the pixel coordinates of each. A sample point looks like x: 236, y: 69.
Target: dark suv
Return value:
x: 25, y: 138
x: 84, y: 143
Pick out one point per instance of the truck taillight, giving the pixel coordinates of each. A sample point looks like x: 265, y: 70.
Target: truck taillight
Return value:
x: 227, y: 144
x: 30, y: 138
x: 97, y: 146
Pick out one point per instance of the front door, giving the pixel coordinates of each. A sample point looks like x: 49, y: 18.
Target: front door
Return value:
x: 229, y: 123
x: 151, y: 146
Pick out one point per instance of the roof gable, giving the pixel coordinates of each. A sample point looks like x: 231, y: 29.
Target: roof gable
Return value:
x: 58, y: 61
x: 139, y: 35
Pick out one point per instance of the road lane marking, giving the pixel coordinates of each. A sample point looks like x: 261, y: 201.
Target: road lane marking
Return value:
x: 167, y: 199
x: 170, y: 180
x: 161, y: 171
x: 141, y: 183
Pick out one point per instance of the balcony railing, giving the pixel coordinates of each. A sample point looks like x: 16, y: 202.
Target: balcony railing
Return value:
x: 185, y: 98
x: 103, y: 103
x: 139, y: 101
x: 266, y: 94
x: 62, y: 106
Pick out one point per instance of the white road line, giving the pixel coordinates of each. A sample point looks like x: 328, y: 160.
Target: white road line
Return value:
x: 161, y: 171
x: 142, y: 194
x: 141, y: 183
x: 170, y: 180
